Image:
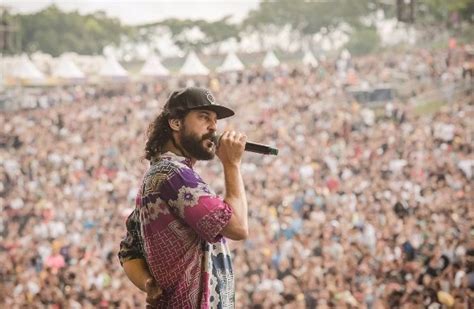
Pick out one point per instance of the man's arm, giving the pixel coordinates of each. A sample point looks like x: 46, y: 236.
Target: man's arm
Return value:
x: 132, y: 259
x: 137, y: 272
x: 230, y: 151
x: 131, y: 255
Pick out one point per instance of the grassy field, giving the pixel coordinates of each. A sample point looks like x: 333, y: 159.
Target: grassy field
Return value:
x: 429, y: 107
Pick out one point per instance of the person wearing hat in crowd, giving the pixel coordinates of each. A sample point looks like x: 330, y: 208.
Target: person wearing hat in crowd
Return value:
x: 175, y: 248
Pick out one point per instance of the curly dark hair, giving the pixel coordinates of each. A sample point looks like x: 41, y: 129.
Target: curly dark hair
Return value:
x: 159, y: 133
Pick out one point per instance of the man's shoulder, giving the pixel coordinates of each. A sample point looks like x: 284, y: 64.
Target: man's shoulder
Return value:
x: 159, y: 171
x: 163, y: 166
x: 168, y: 163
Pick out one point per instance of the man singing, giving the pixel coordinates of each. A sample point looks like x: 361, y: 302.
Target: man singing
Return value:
x: 175, y: 248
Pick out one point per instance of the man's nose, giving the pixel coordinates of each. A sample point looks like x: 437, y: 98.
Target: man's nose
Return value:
x: 213, y: 125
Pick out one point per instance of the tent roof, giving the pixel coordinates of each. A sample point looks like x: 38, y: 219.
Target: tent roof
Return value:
x: 231, y: 63
x: 112, y: 68
x: 153, y: 67
x: 193, y: 66
x: 309, y: 59
x: 67, y: 69
x: 345, y: 54
x: 270, y: 60
x: 25, y: 69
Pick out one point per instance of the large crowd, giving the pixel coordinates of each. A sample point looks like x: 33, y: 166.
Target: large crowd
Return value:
x: 362, y: 208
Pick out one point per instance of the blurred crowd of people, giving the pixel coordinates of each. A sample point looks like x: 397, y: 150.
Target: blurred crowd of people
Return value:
x: 362, y: 208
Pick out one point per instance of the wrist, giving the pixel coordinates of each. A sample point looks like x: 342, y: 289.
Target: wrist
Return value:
x: 231, y: 165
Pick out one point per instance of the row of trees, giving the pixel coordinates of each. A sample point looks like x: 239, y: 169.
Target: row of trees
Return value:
x: 54, y: 32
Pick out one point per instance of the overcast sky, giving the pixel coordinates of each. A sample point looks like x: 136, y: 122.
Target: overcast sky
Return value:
x: 144, y: 11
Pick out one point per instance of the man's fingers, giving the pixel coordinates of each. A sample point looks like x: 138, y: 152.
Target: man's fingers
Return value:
x: 241, y: 137
x: 152, y: 300
x: 153, y: 292
x: 229, y: 135
x: 226, y: 133
x: 234, y: 136
x: 149, y: 283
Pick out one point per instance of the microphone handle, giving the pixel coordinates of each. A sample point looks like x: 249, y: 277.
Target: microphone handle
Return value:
x: 259, y: 148
x: 254, y: 147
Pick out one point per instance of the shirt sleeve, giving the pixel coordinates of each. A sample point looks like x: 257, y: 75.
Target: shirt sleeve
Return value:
x: 190, y: 198
x: 130, y: 246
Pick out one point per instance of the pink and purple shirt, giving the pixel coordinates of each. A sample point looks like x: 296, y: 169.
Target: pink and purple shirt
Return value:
x: 176, y: 228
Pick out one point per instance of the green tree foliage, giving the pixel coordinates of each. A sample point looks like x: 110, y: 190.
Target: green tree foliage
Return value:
x: 468, y: 12
x: 9, y: 25
x: 214, y: 32
x: 308, y: 17
x: 219, y: 31
x: 363, y: 41
x: 441, y: 9
x: 53, y: 31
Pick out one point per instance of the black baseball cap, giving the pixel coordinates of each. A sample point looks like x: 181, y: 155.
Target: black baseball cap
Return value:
x: 192, y: 98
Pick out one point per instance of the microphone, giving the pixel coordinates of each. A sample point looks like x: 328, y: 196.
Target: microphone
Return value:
x: 255, y: 147
x: 259, y: 148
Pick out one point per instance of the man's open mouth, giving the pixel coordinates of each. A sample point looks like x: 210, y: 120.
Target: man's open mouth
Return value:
x: 209, y: 143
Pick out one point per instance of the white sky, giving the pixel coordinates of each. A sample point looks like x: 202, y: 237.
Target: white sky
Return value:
x: 144, y: 11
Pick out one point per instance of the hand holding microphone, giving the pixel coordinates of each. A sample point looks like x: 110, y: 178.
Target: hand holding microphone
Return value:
x: 230, y: 147
x: 251, y: 147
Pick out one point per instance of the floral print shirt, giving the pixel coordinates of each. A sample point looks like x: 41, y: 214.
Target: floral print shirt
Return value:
x: 176, y: 228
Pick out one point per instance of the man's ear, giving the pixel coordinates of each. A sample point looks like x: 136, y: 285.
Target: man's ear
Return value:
x: 175, y: 124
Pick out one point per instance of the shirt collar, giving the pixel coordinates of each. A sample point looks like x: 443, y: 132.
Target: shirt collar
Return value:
x: 173, y: 156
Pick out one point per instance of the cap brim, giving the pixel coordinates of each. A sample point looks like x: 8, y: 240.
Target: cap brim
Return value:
x: 221, y: 111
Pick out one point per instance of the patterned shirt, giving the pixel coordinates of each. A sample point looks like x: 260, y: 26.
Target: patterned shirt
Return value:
x: 176, y: 228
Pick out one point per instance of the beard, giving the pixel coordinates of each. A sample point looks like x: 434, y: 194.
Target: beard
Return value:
x: 194, y: 145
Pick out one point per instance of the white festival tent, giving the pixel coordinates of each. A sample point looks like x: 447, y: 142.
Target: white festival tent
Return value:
x: 154, y: 68
x: 270, y: 60
x: 309, y: 59
x: 66, y: 69
x: 231, y: 63
x: 345, y: 55
x: 112, y: 69
x: 193, y: 66
x: 26, y: 70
